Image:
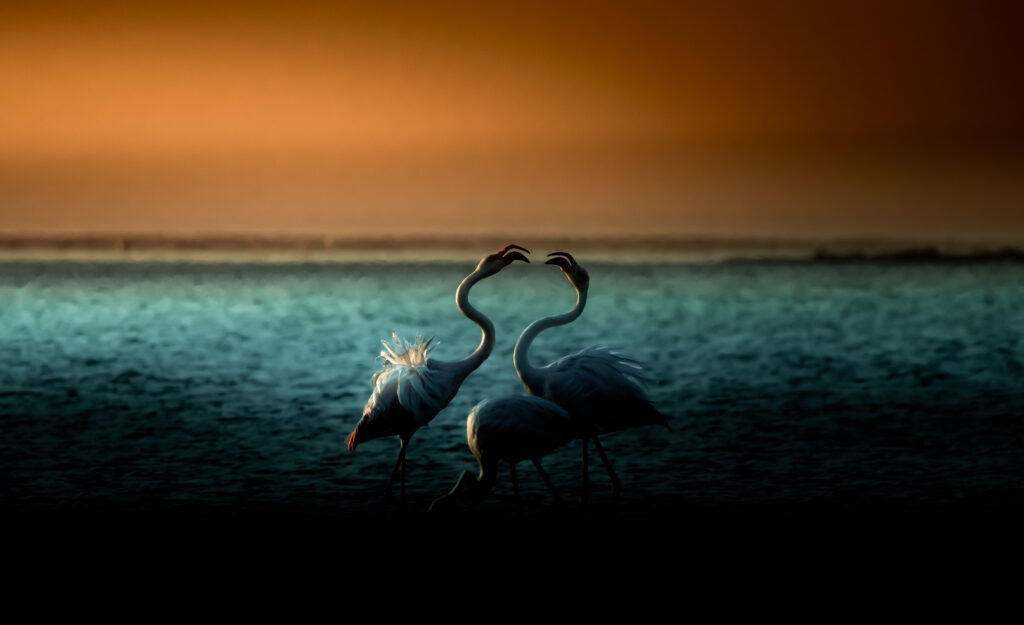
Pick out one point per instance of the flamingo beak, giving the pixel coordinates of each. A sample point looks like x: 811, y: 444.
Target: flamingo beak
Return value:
x: 563, y: 260
x: 508, y: 257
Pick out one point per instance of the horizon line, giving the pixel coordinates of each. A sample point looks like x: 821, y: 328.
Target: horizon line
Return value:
x: 293, y: 248
x: 313, y: 240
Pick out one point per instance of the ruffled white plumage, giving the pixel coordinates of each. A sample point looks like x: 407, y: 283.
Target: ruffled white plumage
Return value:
x: 605, y: 390
x: 409, y: 378
x: 594, y: 372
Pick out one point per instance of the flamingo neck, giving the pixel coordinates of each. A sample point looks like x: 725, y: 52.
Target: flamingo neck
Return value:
x: 483, y: 350
x: 484, y: 480
x: 532, y: 377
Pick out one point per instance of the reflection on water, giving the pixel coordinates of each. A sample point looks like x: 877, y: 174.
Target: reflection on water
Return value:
x: 163, y: 386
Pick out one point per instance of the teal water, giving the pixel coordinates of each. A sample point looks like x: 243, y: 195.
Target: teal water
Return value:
x: 196, y: 389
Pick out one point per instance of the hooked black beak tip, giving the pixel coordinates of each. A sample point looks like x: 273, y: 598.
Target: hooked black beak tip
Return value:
x: 562, y: 263
x: 563, y: 260
x: 512, y: 256
x: 513, y: 246
x: 566, y: 256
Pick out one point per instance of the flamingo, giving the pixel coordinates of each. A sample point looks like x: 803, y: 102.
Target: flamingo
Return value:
x: 411, y: 387
x: 602, y: 390
x: 511, y: 428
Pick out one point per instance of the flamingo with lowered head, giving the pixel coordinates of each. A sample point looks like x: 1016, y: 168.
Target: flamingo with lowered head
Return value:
x: 411, y: 387
x: 602, y: 390
x: 511, y: 428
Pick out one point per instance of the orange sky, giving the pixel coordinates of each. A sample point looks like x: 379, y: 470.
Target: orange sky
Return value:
x: 740, y: 118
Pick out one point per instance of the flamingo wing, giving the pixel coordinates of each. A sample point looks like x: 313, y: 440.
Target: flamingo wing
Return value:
x: 596, y: 372
x: 603, y: 387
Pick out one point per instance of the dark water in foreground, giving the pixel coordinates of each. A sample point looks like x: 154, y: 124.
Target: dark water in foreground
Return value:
x: 193, y: 391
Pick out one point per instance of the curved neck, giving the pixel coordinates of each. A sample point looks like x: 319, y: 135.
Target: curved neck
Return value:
x: 483, y: 350
x: 529, y: 375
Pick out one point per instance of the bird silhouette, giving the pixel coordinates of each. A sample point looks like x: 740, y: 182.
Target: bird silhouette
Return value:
x: 511, y: 428
x: 411, y: 387
x: 603, y: 390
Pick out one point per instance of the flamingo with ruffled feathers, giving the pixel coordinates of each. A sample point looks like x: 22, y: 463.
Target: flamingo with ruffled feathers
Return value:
x: 412, y: 387
x: 602, y: 390
x: 511, y: 429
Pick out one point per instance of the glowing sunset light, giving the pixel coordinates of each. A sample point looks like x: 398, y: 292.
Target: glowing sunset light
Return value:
x: 752, y: 118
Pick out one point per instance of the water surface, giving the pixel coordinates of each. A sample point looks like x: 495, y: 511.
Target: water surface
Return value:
x: 207, y: 389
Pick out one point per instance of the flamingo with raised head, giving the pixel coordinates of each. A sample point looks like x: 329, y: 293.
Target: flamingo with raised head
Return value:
x: 411, y: 387
x: 511, y: 428
x: 603, y: 390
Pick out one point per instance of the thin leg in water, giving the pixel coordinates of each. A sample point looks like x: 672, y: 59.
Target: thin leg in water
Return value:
x: 616, y: 484
x: 515, y: 481
x: 405, y: 446
x: 398, y: 463
x: 547, y: 480
x: 586, y: 478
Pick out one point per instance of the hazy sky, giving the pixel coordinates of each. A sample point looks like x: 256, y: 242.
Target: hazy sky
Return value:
x: 736, y: 118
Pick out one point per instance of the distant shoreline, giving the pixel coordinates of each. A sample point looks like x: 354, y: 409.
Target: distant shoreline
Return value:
x: 294, y: 248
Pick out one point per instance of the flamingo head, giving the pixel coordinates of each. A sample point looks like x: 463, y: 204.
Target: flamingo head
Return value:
x: 504, y: 257
x: 574, y: 271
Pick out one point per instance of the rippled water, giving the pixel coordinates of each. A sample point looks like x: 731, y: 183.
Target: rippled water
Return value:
x: 197, y: 389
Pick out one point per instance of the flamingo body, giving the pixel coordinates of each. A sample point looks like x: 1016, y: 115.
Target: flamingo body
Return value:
x: 515, y: 428
x: 408, y: 391
x: 603, y: 390
x: 512, y: 428
x: 411, y: 387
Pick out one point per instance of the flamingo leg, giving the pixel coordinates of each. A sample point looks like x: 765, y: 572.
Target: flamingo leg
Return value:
x: 398, y: 463
x: 616, y: 484
x: 547, y: 480
x: 586, y: 478
x: 515, y: 481
x: 405, y: 446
